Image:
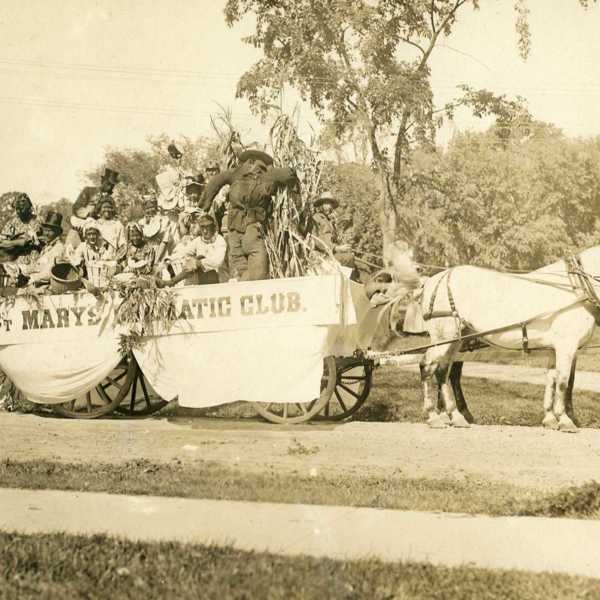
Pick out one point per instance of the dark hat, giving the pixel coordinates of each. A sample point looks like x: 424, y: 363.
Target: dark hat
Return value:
x: 110, y: 175
x: 326, y: 198
x: 255, y: 155
x: 207, y: 220
x: 54, y: 220
x: 174, y: 151
x: 194, y: 188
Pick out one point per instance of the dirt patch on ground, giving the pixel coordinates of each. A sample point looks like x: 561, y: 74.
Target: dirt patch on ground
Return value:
x: 524, y: 456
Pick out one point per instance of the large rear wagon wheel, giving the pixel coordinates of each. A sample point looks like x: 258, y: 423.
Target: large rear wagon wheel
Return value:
x: 142, y: 400
x: 288, y: 413
x: 103, y: 399
x: 353, y: 384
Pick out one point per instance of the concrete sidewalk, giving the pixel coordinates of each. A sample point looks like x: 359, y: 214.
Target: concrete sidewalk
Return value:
x: 584, y: 380
x: 533, y: 544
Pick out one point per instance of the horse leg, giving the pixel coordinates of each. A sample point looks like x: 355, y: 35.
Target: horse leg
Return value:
x: 428, y: 367
x: 461, y: 403
x: 565, y: 359
x: 442, y: 374
x: 569, y: 409
x: 550, y: 421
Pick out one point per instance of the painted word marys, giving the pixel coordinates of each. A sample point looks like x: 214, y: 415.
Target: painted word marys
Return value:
x: 247, y: 305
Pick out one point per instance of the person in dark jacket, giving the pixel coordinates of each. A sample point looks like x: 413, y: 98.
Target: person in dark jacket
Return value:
x: 251, y: 185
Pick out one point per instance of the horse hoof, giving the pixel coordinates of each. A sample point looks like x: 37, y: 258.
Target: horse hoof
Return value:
x: 436, y: 423
x: 458, y: 420
x: 468, y: 416
x: 550, y: 422
x: 566, y: 425
x: 444, y: 418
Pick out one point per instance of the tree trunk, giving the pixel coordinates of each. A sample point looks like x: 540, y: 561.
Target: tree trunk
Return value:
x: 395, y: 246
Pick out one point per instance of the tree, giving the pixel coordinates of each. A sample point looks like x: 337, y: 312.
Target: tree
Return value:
x: 518, y: 198
x: 364, y: 63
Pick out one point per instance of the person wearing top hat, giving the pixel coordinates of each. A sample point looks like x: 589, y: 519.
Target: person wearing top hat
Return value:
x: 251, y: 185
x: 326, y: 233
x: 53, y: 250
x: 90, y: 196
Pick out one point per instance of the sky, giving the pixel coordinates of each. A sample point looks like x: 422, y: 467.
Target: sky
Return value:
x: 78, y: 76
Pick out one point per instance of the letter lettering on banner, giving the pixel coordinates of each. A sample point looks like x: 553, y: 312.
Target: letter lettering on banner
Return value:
x: 224, y: 306
x: 277, y: 303
x: 62, y: 317
x: 93, y: 319
x: 213, y: 312
x: 30, y: 319
x: 197, y: 303
x: 293, y: 301
x: 78, y: 311
x: 260, y: 309
x: 246, y: 310
x: 47, y: 322
x: 186, y: 311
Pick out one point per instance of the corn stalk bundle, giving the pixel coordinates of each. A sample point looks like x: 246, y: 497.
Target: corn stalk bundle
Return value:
x: 230, y: 143
x: 287, y: 240
x: 146, y: 310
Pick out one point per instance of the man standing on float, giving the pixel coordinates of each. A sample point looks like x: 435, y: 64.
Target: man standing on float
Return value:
x: 251, y: 185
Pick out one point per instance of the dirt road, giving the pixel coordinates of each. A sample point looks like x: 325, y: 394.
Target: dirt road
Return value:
x: 529, y: 457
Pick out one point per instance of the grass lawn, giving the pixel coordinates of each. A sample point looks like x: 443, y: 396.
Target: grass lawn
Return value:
x: 61, y: 566
x: 215, y: 481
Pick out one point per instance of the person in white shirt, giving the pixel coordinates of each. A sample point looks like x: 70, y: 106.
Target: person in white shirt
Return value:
x: 94, y: 258
x: 205, y: 255
x: 111, y: 229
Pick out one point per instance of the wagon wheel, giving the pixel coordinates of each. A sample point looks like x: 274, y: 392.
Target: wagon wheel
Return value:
x: 142, y: 399
x: 103, y: 399
x: 352, y: 387
x: 300, y: 412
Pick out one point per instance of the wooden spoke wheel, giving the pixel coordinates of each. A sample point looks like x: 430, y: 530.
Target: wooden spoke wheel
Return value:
x: 353, y: 384
x: 300, y: 412
x: 103, y: 399
x: 142, y: 400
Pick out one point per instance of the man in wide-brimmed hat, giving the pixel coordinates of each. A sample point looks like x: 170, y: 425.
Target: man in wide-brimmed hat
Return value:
x: 52, y: 251
x: 251, y: 185
x: 326, y: 234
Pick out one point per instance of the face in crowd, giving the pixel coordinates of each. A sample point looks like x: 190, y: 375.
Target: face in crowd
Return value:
x: 327, y: 209
x: 150, y: 209
x: 136, y: 238
x: 107, y: 185
x: 207, y: 231
x: 23, y: 207
x: 107, y: 211
x: 49, y: 234
x: 92, y: 236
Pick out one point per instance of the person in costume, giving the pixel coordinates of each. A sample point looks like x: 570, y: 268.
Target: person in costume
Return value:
x: 251, y: 185
x: 156, y: 228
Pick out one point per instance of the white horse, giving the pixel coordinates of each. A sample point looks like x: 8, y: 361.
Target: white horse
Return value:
x: 542, y: 309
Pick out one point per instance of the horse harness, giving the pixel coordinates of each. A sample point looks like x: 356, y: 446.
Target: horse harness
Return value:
x: 579, y: 281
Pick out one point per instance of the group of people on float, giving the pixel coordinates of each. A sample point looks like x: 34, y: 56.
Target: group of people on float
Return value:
x: 172, y: 246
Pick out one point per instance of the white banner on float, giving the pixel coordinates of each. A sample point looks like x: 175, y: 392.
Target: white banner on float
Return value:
x: 202, y: 308
x: 259, y: 304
